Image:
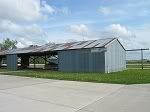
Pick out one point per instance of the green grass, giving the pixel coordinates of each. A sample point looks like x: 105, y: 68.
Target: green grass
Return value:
x: 3, y: 70
x: 138, y: 66
x: 124, y: 77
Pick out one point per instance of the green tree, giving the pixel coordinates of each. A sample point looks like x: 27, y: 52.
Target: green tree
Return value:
x: 8, y: 44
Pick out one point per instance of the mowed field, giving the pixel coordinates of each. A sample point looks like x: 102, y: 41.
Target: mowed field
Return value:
x: 130, y: 65
x: 130, y: 76
x: 138, y: 65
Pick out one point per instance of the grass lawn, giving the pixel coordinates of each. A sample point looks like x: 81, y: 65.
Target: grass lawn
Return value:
x: 124, y: 77
x: 3, y: 70
x: 138, y: 65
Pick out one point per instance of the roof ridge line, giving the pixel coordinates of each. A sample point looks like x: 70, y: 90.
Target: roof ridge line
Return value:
x: 109, y: 41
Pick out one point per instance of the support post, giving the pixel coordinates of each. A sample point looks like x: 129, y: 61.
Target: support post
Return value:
x: 142, y: 59
x: 45, y: 59
x: 1, y: 62
x: 12, y: 60
x: 24, y: 61
x: 34, y: 61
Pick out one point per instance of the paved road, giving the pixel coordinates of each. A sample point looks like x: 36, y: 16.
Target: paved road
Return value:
x: 22, y: 94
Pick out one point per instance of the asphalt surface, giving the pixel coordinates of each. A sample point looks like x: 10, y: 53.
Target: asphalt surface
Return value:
x: 23, y: 94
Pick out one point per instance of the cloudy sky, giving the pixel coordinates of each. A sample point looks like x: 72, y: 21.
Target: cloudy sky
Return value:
x: 42, y: 21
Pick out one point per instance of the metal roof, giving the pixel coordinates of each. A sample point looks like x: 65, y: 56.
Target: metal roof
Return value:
x: 59, y: 47
x: 83, y: 44
x: 23, y: 50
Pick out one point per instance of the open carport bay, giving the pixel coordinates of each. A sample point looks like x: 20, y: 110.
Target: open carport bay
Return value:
x: 23, y: 94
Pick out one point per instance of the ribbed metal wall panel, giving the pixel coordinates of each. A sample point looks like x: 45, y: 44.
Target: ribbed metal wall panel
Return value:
x: 12, y: 62
x: 115, y: 58
x: 81, y: 61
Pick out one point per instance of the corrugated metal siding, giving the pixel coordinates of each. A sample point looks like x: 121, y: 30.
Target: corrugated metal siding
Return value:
x: 81, y: 61
x: 115, y: 58
x: 12, y: 62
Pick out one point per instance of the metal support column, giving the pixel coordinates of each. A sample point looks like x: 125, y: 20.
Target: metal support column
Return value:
x: 34, y: 61
x: 24, y: 61
x: 1, y: 62
x: 142, y: 59
x: 45, y: 59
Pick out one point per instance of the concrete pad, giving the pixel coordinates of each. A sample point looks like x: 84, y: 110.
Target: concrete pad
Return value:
x: 87, y: 86
x: 134, y: 98
x: 74, y: 97
x: 11, y: 103
x: 23, y: 94
x: 8, y: 82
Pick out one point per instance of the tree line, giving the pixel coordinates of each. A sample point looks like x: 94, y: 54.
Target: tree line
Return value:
x: 8, y: 44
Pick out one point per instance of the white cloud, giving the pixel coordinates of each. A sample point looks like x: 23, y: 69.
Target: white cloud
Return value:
x: 111, y: 31
x: 142, y: 35
x: 24, y: 43
x: 24, y: 10
x: 83, y: 32
x: 119, y: 31
x: 47, y: 8
x: 80, y: 29
x: 8, y: 26
x: 131, y: 38
x: 19, y: 20
x: 28, y: 34
x: 20, y: 30
x: 141, y: 41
